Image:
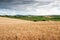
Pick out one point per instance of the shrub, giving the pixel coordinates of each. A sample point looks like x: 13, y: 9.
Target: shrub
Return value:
x: 43, y: 20
x: 34, y: 20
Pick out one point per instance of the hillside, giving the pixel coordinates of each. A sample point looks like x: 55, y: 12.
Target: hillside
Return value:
x: 34, y: 18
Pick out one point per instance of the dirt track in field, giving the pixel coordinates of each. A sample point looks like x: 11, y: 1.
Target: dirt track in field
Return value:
x: 14, y: 29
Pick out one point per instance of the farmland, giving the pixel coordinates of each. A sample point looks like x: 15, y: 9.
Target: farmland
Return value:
x: 35, y: 18
x: 18, y: 29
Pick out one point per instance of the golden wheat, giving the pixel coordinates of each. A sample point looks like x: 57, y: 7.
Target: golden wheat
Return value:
x: 14, y: 29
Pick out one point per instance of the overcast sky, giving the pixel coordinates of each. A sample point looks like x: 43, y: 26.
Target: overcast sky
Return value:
x: 30, y: 7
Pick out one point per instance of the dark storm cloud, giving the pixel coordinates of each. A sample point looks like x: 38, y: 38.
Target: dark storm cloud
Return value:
x: 11, y: 3
x: 16, y: 2
x: 5, y: 0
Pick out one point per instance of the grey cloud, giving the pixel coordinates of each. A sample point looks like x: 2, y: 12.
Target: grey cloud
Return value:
x: 12, y: 2
x: 15, y: 4
x: 22, y: 5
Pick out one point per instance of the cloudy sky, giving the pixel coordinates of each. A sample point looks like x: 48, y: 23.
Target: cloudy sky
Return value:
x: 30, y: 7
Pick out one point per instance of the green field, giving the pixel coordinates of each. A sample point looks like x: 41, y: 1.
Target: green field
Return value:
x: 36, y: 18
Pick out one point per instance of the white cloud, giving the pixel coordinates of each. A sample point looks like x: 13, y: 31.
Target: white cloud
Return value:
x: 7, y: 12
x: 51, y: 9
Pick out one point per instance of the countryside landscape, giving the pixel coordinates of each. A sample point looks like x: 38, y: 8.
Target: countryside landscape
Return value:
x: 29, y: 19
x: 29, y: 27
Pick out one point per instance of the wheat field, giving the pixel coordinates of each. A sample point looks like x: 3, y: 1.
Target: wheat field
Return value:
x: 16, y: 29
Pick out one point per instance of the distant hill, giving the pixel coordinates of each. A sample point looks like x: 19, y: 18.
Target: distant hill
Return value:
x: 35, y: 18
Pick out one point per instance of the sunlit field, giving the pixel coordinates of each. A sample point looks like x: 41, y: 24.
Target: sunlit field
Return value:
x: 18, y: 29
